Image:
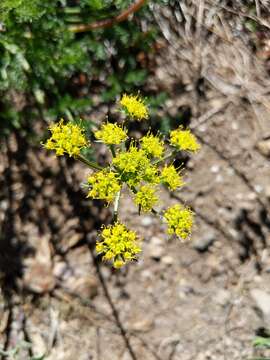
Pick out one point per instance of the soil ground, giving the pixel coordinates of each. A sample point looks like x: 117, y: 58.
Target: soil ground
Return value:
x: 202, y: 300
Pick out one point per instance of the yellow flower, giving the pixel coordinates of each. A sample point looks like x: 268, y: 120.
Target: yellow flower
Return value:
x: 134, y: 166
x: 171, y: 178
x: 146, y: 198
x: 104, y: 185
x: 111, y: 134
x: 179, y: 220
x: 134, y: 107
x: 152, y: 145
x: 118, y: 244
x: 184, y: 140
x: 67, y: 138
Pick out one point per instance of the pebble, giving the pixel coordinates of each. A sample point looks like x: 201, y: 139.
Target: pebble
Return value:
x: 262, y: 300
x: 204, y: 242
x: 222, y: 297
x: 264, y: 147
x: 155, y: 248
x: 146, y: 221
x: 167, y: 260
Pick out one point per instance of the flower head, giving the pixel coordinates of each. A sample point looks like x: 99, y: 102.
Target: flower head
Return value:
x: 184, y: 140
x: 146, y: 198
x: 67, y: 138
x: 134, y: 106
x: 134, y: 166
x: 179, y: 220
x: 111, y: 134
x: 104, y: 185
x: 171, y: 178
x: 118, y: 244
x: 152, y: 145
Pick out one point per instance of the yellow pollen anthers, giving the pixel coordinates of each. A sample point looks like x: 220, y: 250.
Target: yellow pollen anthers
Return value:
x: 179, y: 220
x: 118, y: 244
x: 111, y: 134
x: 146, y: 198
x: 67, y: 138
x: 171, y: 178
x: 134, y: 106
x: 104, y: 185
x: 152, y: 145
x: 184, y: 140
x: 134, y: 166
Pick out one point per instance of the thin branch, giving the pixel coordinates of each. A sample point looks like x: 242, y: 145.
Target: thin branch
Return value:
x: 103, y: 24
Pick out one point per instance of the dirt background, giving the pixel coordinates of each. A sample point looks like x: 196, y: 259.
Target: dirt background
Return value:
x: 202, y: 300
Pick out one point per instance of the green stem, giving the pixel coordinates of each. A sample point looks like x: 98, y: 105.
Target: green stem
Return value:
x: 91, y: 164
x: 164, y: 158
x: 112, y: 150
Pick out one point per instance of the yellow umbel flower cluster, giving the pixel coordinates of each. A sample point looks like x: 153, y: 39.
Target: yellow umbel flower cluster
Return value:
x: 134, y: 106
x: 67, y: 138
x: 179, y: 220
x: 171, y: 178
x: 184, y: 140
x: 118, y: 244
x: 146, y: 198
x: 139, y: 165
x: 152, y: 145
x: 111, y: 134
x: 134, y: 166
x: 104, y: 185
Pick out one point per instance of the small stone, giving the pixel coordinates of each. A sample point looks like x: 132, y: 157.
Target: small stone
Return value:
x: 215, y: 169
x: 264, y: 147
x: 167, y: 260
x: 222, y: 297
x: 155, y: 248
x: 143, y: 325
x: 203, y: 243
x: 147, y: 221
x: 156, y: 252
x: 84, y: 286
x: 262, y: 300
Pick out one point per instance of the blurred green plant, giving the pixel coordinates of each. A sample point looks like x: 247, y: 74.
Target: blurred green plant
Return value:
x: 49, y: 70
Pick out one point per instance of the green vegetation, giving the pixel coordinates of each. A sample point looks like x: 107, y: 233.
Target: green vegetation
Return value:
x: 47, y: 70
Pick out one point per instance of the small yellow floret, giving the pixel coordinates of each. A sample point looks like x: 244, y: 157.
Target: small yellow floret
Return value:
x: 146, y: 198
x: 111, y: 134
x: 118, y: 244
x: 184, y: 140
x: 179, y: 220
x: 134, y: 106
x: 134, y: 166
x: 171, y: 178
x: 152, y: 145
x: 67, y: 138
x: 104, y: 185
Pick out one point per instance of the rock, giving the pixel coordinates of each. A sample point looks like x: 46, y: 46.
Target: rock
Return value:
x: 155, y: 248
x: 167, y: 260
x: 143, y: 325
x: 222, y: 297
x: 84, y: 286
x: 146, y: 221
x: 204, y: 242
x: 38, y: 276
x: 264, y: 147
x: 262, y: 300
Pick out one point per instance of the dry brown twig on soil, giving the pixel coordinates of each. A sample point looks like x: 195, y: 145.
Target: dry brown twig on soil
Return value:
x: 106, y: 23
